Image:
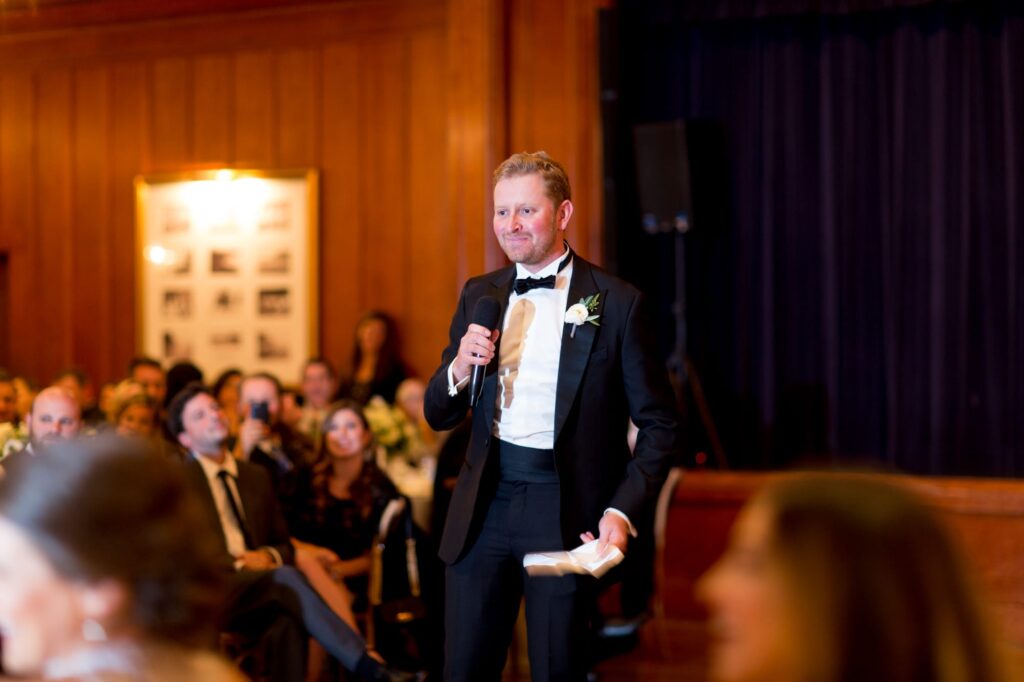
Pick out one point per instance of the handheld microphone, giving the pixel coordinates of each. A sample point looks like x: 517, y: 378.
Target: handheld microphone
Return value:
x: 485, y: 314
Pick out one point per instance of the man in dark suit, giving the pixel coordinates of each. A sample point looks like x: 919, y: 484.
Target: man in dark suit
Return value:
x: 55, y: 416
x: 265, y: 440
x: 268, y: 596
x: 548, y: 462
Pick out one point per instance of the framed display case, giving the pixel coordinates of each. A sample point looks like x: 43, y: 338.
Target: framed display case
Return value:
x: 227, y: 269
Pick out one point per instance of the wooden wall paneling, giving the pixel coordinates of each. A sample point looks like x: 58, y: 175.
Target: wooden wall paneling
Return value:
x: 553, y: 102
x: 16, y: 130
x: 91, y: 235
x: 429, y: 284
x: 297, y: 78
x: 129, y: 156
x: 213, y: 89
x: 585, y: 126
x: 53, y: 277
x: 171, y: 114
x: 5, y: 280
x: 254, y: 122
x: 291, y: 25
x: 5, y: 312
x: 17, y: 190
x: 212, y: 113
x: 384, y: 89
x: 538, y: 33
x: 341, y: 202
x: 477, y: 140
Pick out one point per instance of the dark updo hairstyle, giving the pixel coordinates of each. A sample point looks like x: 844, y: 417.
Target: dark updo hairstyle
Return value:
x: 113, y: 509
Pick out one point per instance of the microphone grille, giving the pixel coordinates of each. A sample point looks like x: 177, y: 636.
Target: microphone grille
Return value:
x: 485, y: 312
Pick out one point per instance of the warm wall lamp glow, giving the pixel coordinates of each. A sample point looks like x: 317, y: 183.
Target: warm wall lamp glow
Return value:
x: 158, y: 255
x: 224, y: 174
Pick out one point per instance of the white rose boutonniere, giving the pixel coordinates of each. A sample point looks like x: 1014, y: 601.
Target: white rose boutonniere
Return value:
x: 577, y: 314
x: 583, y: 312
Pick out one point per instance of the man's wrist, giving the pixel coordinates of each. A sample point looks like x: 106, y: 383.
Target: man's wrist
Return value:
x: 454, y: 384
x: 621, y: 515
x: 275, y: 556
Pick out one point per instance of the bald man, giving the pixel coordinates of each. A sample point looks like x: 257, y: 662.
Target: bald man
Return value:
x: 55, y: 415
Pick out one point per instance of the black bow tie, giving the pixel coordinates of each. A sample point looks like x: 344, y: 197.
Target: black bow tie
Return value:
x: 528, y: 283
x: 524, y: 284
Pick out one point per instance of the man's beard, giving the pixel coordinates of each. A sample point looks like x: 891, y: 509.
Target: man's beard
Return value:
x: 44, y: 441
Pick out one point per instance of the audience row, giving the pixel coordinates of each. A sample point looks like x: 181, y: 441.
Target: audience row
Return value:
x: 297, y: 503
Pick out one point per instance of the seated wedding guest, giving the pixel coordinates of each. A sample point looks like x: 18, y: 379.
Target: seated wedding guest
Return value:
x: 150, y: 374
x: 377, y: 367
x: 55, y: 416
x: 78, y: 384
x: 136, y: 416
x: 425, y: 441
x: 8, y: 399
x: 25, y: 391
x: 225, y: 390
x: 180, y: 375
x: 11, y: 428
x: 291, y: 410
x: 833, y: 578
x: 265, y: 591
x: 108, y: 399
x: 124, y: 390
x: 319, y: 386
x: 345, y: 495
x: 79, y: 602
x: 265, y: 440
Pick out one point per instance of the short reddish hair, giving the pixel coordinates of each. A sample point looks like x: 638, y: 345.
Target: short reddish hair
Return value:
x: 556, y: 180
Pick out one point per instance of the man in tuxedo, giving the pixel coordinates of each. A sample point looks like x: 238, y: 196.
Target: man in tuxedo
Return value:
x: 268, y: 597
x: 548, y: 463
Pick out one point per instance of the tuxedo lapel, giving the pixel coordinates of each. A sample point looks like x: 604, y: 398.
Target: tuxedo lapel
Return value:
x: 251, y: 503
x: 575, y: 349
x: 501, y: 290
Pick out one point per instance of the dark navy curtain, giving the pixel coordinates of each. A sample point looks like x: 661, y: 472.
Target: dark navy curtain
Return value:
x: 859, y: 294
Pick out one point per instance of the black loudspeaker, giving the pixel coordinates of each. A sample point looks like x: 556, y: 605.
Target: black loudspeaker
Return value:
x: 663, y: 176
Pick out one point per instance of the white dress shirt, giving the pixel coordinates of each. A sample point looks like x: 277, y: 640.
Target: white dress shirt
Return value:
x: 526, y: 396
x: 228, y: 523
x: 233, y: 536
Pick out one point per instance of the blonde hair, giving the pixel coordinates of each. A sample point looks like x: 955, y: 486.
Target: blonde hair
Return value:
x: 556, y: 180
x: 878, y: 584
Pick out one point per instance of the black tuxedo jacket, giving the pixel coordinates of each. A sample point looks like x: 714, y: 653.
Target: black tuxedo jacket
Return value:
x: 259, y: 504
x: 607, y: 374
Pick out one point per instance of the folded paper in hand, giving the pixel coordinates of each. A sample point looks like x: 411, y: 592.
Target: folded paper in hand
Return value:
x: 584, y: 559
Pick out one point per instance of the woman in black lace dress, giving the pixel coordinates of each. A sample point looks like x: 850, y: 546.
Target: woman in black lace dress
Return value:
x: 346, y: 494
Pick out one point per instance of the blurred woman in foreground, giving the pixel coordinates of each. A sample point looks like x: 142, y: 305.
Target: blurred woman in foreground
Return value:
x: 843, y: 578
x: 107, y: 572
